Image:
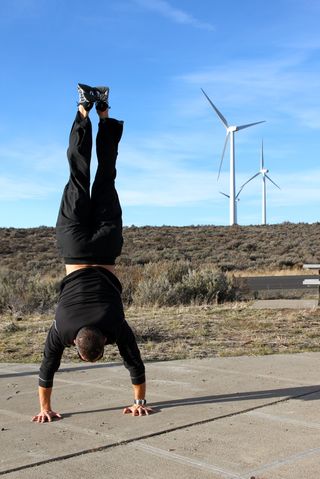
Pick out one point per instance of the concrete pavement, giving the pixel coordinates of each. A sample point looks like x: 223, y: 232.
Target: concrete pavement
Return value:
x: 230, y: 418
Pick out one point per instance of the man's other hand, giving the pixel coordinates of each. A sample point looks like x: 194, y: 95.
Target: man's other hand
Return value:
x: 137, y: 410
x: 46, y: 416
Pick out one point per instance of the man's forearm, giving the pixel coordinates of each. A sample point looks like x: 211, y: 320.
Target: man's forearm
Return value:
x: 139, y: 391
x: 46, y: 414
x: 45, y: 398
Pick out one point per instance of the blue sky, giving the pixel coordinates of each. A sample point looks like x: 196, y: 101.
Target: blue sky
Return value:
x: 256, y: 60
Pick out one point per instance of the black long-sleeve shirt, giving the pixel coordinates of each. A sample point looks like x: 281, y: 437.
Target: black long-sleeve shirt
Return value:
x: 90, y: 297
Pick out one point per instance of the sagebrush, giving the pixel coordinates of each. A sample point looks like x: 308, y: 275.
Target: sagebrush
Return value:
x: 155, y: 284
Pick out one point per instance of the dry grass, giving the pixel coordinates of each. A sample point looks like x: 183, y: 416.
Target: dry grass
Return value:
x: 183, y: 332
x: 275, y: 272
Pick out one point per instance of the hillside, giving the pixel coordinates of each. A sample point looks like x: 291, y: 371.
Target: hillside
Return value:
x: 237, y: 248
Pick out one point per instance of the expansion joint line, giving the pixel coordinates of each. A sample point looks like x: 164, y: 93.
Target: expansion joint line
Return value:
x: 151, y: 435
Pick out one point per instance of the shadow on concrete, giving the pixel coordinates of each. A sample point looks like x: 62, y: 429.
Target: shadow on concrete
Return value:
x: 61, y: 370
x: 286, y: 393
x: 300, y: 392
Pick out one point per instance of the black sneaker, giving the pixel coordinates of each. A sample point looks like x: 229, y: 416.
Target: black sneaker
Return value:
x: 87, y: 96
x: 103, y: 93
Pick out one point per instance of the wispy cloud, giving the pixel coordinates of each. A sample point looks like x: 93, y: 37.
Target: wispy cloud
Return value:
x: 298, y: 189
x: 176, y: 188
x: 155, y: 176
x: 177, y: 15
x: 183, y: 189
x: 285, y: 86
x: 30, y: 170
x: 12, y: 189
x: 36, y: 157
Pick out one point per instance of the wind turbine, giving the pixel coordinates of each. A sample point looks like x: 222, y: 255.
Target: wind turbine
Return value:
x: 230, y: 134
x: 228, y: 196
x: 263, y: 171
x: 237, y: 197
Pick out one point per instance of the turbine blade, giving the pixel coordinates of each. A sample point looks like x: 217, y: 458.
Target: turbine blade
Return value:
x: 242, y: 127
x: 250, y: 179
x: 262, y: 157
x: 272, y: 182
x: 224, y: 194
x: 223, y: 152
x: 220, y: 115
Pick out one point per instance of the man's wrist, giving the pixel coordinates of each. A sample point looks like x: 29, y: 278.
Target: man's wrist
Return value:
x: 140, y: 402
x: 45, y: 408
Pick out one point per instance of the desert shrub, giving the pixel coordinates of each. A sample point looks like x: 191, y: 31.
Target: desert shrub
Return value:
x: 130, y: 277
x: 167, y: 284
x: 21, y: 293
x: 286, y: 263
x: 153, y: 286
x: 153, y: 291
x: 176, y: 271
x: 225, y: 266
x: 203, y: 286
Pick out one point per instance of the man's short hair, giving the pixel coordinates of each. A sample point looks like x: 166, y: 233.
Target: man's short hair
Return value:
x: 90, y: 343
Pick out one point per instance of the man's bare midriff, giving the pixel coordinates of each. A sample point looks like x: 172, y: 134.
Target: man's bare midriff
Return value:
x: 74, y: 267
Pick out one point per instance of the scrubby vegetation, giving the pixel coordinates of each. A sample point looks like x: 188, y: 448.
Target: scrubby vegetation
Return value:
x: 192, y: 271
x: 236, y: 248
x: 161, y: 266
x: 155, y: 284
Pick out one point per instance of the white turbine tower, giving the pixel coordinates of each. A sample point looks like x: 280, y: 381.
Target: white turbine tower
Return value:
x: 230, y: 133
x: 263, y: 171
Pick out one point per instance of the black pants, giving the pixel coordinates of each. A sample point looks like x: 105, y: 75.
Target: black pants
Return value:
x: 89, y: 227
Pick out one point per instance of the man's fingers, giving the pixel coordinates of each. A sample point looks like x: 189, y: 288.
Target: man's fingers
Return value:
x: 46, y: 416
x: 137, y: 411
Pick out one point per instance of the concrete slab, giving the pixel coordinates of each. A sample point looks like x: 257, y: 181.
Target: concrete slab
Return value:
x: 129, y: 461
x: 285, y: 304
x: 216, y: 417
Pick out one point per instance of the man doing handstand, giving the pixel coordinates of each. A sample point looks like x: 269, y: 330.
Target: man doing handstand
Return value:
x: 90, y: 313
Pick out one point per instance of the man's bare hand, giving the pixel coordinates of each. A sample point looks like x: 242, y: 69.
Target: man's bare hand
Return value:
x: 137, y: 410
x: 46, y: 416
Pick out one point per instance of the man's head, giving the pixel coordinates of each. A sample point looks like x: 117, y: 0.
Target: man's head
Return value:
x: 90, y: 344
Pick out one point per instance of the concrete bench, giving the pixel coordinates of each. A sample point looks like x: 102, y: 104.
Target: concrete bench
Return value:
x: 313, y: 281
